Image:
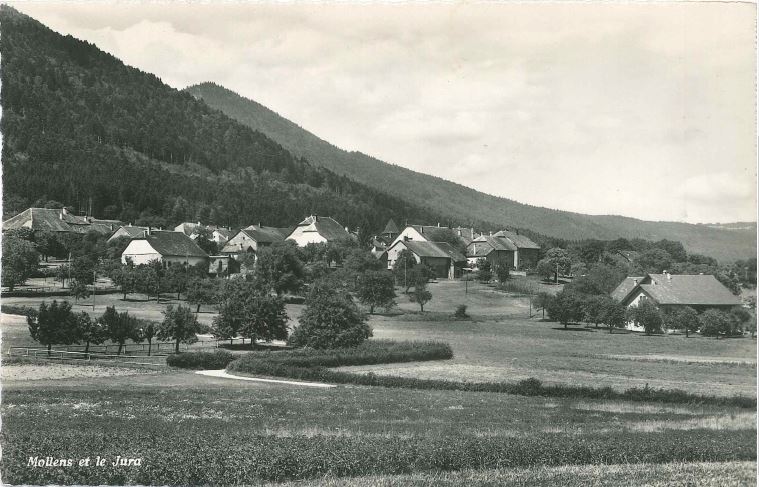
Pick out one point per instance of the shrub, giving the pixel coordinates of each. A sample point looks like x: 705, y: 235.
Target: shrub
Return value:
x: 460, y: 312
x: 218, y: 359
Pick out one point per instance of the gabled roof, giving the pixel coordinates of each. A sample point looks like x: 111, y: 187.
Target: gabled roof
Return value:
x: 225, y: 232
x: 625, y: 287
x: 131, y: 231
x: 498, y: 243
x: 326, y: 227
x: 433, y: 249
x: 57, y: 220
x: 454, y: 254
x: 188, y: 228
x: 685, y: 289
x: 520, y: 241
x: 173, y: 244
x: 391, y: 228
x: 264, y: 234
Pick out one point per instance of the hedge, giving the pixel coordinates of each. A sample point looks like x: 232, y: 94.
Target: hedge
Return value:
x: 312, y: 365
x: 218, y: 359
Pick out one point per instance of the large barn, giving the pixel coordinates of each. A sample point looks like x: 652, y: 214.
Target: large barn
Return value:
x: 672, y: 291
x: 318, y: 229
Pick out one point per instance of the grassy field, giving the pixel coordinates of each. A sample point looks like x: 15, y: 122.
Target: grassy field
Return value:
x: 243, y: 427
x: 253, y: 432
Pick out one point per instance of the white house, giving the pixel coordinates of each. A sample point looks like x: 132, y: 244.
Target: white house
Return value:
x: 445, y: 261
x: 164, y: 246
x: 318, y: 229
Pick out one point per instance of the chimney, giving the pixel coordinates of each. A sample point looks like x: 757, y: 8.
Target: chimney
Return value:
x: 346, y: 230
x: 459, y: 231
x: 438, y: 224
x: 64, y: 211
x: 635, y: 282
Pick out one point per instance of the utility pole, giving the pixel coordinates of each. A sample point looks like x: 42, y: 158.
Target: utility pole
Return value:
x: 557, y: 273
x: 94, y: 286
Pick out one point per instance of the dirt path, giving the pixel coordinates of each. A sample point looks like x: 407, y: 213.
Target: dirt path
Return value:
x: 225, y: 375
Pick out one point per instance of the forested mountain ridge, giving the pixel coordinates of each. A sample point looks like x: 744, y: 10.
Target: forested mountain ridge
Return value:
x: 461, y: 202
x: 82, y: 128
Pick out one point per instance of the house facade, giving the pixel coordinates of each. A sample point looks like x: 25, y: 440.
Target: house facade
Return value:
x: 318, y: 229
x: 164, y: 246
x: 526, y: 253
x: 497, y: 251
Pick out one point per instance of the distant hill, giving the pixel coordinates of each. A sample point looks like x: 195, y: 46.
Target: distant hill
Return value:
x: 463, y: 203
x: 81, y: 128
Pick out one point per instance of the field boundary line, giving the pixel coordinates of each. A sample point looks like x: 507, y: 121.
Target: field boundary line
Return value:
x: 224, y: 375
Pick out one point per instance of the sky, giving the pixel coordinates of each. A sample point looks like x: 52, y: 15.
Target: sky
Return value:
x: 643, y: 110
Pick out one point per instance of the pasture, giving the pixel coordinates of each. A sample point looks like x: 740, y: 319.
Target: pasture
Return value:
x: 351, y: 435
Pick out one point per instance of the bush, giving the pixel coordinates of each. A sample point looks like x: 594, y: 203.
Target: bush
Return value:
x: 218, y: 359
x: 460, y: 312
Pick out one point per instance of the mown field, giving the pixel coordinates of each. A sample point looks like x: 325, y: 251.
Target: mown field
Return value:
x: 355, y: 435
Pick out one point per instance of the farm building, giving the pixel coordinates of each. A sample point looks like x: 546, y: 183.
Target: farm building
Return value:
x: 164, y: 246
x: 251, y: 239
x: 432, y: 233
x: 526, y: 255
x: 128, y: 231
x: 445, y: 261
x: 59, y: 220
x: 318, y: 229
x: 497, y: 251
x: 672, y: 291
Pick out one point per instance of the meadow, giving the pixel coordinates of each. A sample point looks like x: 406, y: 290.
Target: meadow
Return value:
x: 255, y: 432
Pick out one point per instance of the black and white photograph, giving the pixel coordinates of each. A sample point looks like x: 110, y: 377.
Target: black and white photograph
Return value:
x: 378, y: 243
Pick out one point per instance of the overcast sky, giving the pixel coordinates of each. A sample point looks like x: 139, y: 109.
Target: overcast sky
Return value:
x: 639, y: 110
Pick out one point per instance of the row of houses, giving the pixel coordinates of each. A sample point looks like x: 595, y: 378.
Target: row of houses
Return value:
x: 439, y: 248
x: 447, y: 251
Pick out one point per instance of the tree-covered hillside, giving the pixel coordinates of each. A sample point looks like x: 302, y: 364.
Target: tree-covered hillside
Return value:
x: 463, y: 203
x: 82, y: 128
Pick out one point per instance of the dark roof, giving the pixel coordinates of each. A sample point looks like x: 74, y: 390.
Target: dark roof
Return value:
x: 454, y: 254
x: 391, y: 228
x: 433, y: 249
x: 264, y: 234
x: 520, y: 241
x: 58, y: 220
x: 686, y: 289
x: 326, y: 227
x: 625, y: 287
x: 132, y: 231
x: 484, y: 244
x: 173, y: 244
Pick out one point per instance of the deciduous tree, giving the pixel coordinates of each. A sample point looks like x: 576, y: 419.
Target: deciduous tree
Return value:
x: 179, y: 325
x: 376, y: 288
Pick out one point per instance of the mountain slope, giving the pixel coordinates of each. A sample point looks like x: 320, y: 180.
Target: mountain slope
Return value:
x: 463, y: 203
x: 82, y: 128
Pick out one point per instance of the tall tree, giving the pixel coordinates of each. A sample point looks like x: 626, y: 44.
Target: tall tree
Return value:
x: 53, y: 325
x: 179, y: 325
x: 376, y: 288
x: 19, y: 260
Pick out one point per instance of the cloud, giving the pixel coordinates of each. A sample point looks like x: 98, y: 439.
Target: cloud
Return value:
x: 594, y: 107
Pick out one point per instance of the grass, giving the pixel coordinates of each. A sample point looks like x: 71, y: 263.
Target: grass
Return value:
x: 729, y: 474
x: 276, y: 432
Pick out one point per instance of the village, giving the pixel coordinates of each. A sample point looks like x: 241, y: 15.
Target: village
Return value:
x: 378, y: 244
